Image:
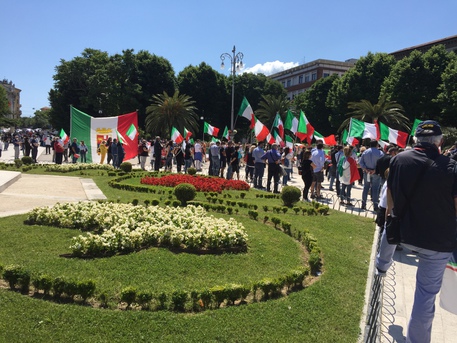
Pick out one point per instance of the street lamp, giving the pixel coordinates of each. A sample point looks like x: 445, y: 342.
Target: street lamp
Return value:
x: 203, y: 131
x: 236, y: 62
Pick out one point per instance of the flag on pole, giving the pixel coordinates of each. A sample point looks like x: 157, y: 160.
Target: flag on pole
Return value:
x: 210, y: 130
x: 270, y: 139
x: 393, y: 136
x: 176, y: 135
x: 261, y: 131
x: 329, y: 140
x: 289, y: 141
x: 358, y: 128
x: 279, y: 140
x: 247, y: 112
x: 93, y: 131
x: 132, y: 132
x: 349, y: 140
x: 291, y: 123
x: 304, y: 130
x: 413, y: 129
x: 64, y: 136
x: 279, y: 125
x: 187, y: 134
x: 226, y: 134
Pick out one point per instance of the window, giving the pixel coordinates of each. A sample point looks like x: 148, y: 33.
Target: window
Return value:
x: 307, y: 78
x: 300, y: 79
x: 289, y: 83
x: 284, y: 84
x: 326, y: 74
x: 314, y: 77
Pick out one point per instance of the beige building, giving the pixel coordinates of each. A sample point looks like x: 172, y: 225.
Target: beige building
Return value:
x: 14, y: 99
x: 298, y: 79
x: 450, y: 44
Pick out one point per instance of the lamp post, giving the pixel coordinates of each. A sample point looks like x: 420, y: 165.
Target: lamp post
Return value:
x: 236, y: 62
x: 203, y: 131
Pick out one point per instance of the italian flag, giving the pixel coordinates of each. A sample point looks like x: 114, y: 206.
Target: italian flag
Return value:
x: 261, y: 131
x: 270, y: 139
x: 187, y: 134
x: 176, y: 135
x: 329, y: 140
x: 358, y: 128
x: 349, y: 140
x: 413, y: 129
x: 226, y: 134
x: 291, y: 123
x: 289, y: 141
x: 279, y: 125
x: 93, y: 131
x: 393, y: 136
x: 279, y: 140
x: 247, y: 112
x: 63, y: 135
x: 304, y: 130
x: 210, y: 130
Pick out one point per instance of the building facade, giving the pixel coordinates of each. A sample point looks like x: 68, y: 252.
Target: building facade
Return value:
x: 450, y: 44
x: 14, y: 99
x: 298, y: 79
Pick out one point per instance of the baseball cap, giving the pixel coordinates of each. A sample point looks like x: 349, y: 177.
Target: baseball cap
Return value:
x: 428, y: 128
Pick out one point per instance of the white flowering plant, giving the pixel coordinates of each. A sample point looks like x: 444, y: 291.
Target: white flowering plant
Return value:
x: 66, y: 168
x: 120, y: 228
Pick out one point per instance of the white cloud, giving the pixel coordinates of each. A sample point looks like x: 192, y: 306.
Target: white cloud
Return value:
x: 269, y: 68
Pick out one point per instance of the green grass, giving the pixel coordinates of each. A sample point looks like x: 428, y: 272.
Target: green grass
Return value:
x: 329, y: 310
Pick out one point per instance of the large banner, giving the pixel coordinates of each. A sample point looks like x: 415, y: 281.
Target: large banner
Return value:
x: 94, y: 130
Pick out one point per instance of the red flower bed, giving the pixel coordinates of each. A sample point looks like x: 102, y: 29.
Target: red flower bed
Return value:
x: 201, y: 183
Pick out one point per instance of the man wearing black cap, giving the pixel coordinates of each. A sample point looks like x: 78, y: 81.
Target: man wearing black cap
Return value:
x: 422, y: 188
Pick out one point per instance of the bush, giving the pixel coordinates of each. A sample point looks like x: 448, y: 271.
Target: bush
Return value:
x: 128, y: 295
x: 191, y: 171
x: 290, y: 195
x: 27, y: 160
x: 44, y: 283
x: 126, y: 167
x: 86, y: 289
x: 58, y: 286
x: 178, y: 300
x: 144, y: 299
x: 18, y: 162
x: 185, y: 192
x: 16, y: 275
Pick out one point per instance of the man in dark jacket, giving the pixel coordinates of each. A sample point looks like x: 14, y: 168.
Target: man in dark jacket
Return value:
x: 422, y: 191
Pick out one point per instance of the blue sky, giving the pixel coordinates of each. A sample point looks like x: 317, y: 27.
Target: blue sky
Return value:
x: 36, y: 35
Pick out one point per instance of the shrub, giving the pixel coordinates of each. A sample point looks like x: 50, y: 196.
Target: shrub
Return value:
x: 296, y: 210
x: 103, y: 298
x: 128, y: 295
x: 58, y: 286
x: 314, y: 261
x: 206, y: 297
x: 242, y: 195
x: 178, y: 300
x: 191, y: 171
x: 86, y: 289
x: 162, y: 299
x: 144, y: 299
x: 265, y: 208
x: 27, y: 160
x: 185, y: 192
x: 253, y: 214
x: 18, y: 162
x: 155, y: 202
x: 290, y: 195
x: 286, y: 227
x: 265, y: 219
x: 126, y: 167
x: 17, y: 275
x: 276, y: 221
x: 135, y: 202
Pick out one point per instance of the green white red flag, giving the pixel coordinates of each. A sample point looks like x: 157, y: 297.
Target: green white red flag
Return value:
x: 64, y: 136
x: 176, y: 135
x: 358, y: 128
x: 226, y: 134
x: 261, y: 131
x: 291, y: 122
x: 349, y: 140
x: 247, y: 112
x: 270, y: 139
x: 329, y: 140
x: 278, y: 124
x: 187, y: 134
x: 93, y: 131
x: 289, y: 141
x: 413, y: 129
x: 393, y: 136
x: 210, y: 130
x: 304, y: 130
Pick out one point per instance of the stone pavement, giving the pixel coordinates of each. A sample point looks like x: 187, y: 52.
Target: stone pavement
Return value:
x: 19, y: 193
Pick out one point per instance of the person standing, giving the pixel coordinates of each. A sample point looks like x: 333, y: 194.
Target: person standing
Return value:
x: 347, y: 174
x: 83, y: 152
x: 179, y: 155
x: 103, y: 149
x: 157, y: 153
x: 318, y: 158
x: 371, y: 180
x: 229, y: 154
x: 259, y: 165
x: 120, y: 154
x: 74, y: 148
x: 144, y: 153
x: 59, y: 150
x: 273, y: 158
x: 198, y: 155
x: 47, y: 144
x: 286, y: 158
x: 306, y: 166
x: 422, y: 187
x: 214, y: 151
x: 114, y: 152
x: 109, y: 157
x: 34, y: 147
x: 250, y: 164
x: 17, y: 146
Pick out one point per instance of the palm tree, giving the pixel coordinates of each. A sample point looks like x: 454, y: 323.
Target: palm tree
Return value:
x: 168, y: 111
x: 388, y: 112
x: 269, y: 106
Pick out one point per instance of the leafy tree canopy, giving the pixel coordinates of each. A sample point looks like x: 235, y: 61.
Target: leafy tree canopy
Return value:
x: 4, y: 109
x: 269, y: 106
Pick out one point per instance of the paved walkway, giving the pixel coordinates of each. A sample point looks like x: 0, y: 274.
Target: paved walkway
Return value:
x: 19, y: 193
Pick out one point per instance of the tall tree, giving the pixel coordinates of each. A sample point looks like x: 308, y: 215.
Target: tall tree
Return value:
x: 4, y: 109
x: 447, y: 97
x: 269, y: 106
x: 414, y: 82
x: 388, y: 112
x: 168, y: 111
x: 207, y: 88
x: 363, y: 81
x: 103, y: 85
x: 313, y: 103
